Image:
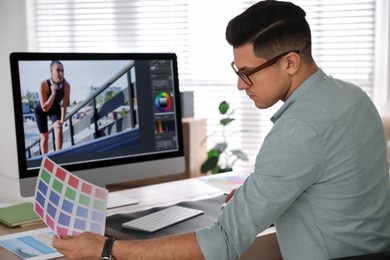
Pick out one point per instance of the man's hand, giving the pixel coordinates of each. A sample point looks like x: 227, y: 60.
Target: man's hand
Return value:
x: 230, y: 195
x: 82, y: 247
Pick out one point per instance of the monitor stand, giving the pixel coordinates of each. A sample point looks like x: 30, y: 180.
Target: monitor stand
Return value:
x: 116, y: 200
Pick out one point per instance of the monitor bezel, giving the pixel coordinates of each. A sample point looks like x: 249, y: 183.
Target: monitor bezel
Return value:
x: 86, y: 170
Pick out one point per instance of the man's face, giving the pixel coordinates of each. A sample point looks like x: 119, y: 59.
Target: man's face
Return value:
x: 269, y: 85
x: 57, y: 73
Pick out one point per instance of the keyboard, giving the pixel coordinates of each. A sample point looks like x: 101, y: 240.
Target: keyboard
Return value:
x: 162, y: 218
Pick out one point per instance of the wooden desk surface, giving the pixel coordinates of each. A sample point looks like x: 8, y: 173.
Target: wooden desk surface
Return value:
x: 165, y: 194
x: 148, y: 196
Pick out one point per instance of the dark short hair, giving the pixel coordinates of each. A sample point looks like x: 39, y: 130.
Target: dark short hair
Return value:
x: 53, y: 62
x: 273, y: 27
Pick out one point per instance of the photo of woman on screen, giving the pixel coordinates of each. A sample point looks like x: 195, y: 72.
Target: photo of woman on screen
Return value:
x: 52, y: 93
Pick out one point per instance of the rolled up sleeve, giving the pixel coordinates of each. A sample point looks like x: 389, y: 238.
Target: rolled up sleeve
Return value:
x: 214, y: 243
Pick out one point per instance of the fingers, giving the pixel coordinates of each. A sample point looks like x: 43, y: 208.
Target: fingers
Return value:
x: 230, y: 195
x: 54, y: 87
x: 55, y: 240
x: 60, y: 243
x: 68, y: 246
x: 58, y: 124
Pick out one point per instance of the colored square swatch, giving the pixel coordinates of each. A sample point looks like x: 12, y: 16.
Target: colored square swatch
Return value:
x: 68, y: 204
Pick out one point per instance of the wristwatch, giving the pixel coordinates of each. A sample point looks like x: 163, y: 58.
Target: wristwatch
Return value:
x: 106, y: 254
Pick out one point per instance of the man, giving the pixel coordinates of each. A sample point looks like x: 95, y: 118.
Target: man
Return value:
x: 321, y: 174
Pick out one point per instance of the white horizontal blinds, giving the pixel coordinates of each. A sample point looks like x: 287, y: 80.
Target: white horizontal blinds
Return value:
x: 343, y: 38
x: 217, y: 82
x: 111, y: 26
x: 343, y: 45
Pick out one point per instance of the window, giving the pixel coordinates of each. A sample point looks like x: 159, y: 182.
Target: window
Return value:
x: 343, y: 45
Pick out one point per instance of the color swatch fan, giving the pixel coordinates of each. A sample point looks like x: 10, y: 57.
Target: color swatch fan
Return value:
x: 67, y: 204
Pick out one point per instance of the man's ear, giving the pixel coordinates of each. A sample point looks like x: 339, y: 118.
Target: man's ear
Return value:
x: 293, y: 62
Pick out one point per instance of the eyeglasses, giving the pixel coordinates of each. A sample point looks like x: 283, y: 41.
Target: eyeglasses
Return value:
x: 244, y: 75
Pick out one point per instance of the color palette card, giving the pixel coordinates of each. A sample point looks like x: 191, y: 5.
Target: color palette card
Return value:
x: 226, y: 181
x: 68, y: 204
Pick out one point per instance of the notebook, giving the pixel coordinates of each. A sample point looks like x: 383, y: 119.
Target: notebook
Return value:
x: 18, y: 214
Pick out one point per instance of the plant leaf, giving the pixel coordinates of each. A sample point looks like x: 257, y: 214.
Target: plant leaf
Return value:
x: 215, y: 170
x: 213, y: 153
x: 220, y: 147
x: 227, y: 169
x: 223, y: 107
x: 226, y: 121
x: 209, y: 164
x: 240, y: 154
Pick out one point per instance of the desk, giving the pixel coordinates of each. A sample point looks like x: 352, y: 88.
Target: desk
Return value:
x: 169, y: 193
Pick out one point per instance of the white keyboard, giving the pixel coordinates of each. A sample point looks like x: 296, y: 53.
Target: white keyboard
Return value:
x: 161, y: 219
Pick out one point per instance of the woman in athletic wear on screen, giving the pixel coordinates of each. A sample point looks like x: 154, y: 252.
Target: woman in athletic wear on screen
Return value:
x: 52, y: 91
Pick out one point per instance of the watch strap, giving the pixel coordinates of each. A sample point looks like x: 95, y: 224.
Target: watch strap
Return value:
x: 106, y: 253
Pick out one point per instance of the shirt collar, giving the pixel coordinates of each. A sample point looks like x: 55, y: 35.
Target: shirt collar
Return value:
x: 316, y: 77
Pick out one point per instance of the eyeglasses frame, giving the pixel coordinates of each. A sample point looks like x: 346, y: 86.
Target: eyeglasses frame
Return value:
x: 245, y: 75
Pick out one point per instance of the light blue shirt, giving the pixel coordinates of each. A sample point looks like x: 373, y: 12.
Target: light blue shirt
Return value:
x: 321, y: 176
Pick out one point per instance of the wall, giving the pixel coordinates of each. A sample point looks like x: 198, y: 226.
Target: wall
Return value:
x: 13, y: 31
x: 382, y: 58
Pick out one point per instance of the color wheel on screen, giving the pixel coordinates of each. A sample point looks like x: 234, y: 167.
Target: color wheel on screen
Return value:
x: 163, y: 101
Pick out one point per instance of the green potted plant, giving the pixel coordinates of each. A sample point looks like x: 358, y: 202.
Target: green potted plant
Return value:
x: 230, y: 157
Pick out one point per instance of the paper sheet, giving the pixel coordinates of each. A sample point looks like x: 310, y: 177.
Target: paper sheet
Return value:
x: 225, y: 182
x: 68, y: 204
x: 31, y: 245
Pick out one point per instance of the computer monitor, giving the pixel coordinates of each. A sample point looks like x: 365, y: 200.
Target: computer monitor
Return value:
x: 123, y: 122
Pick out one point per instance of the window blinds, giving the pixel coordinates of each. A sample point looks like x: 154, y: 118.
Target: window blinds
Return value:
x: 110, y: 26
x: 343, y: 45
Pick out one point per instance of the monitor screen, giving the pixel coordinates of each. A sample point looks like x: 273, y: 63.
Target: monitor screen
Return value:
x: 107, y: 117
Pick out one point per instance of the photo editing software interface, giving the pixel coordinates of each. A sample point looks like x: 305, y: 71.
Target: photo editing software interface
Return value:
x: 123, y: 109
